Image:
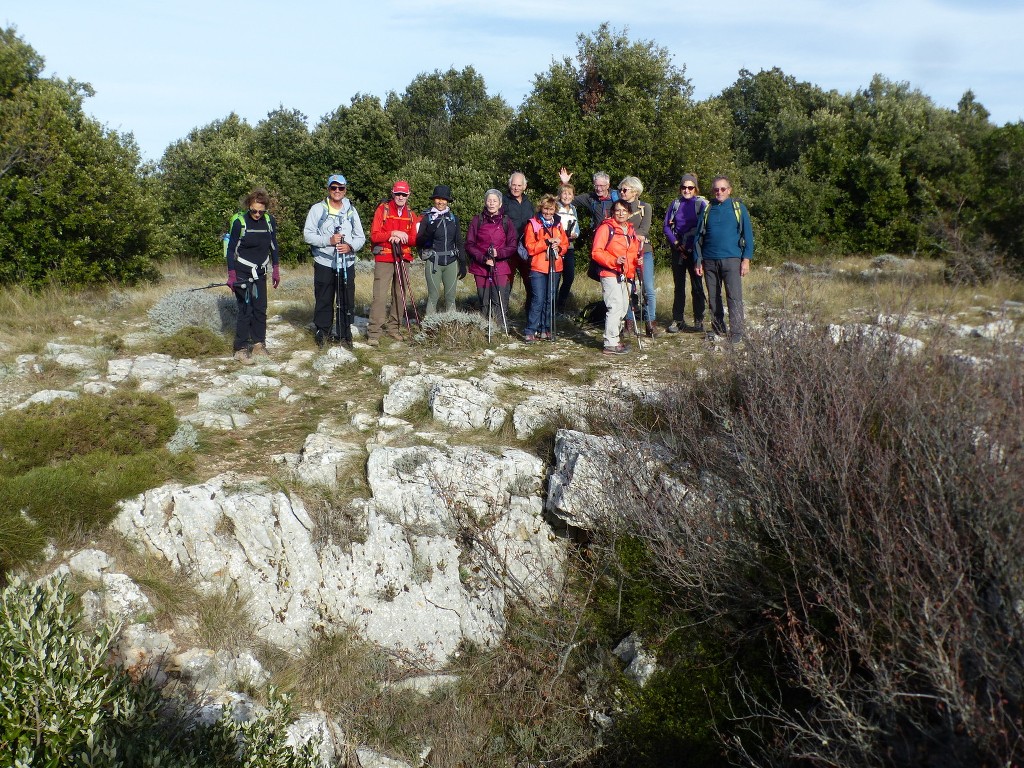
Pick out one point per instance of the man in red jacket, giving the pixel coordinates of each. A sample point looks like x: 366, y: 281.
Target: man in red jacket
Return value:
x: 393, y: 231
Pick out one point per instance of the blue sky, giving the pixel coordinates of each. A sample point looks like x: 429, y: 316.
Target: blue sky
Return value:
x: 161, y: 69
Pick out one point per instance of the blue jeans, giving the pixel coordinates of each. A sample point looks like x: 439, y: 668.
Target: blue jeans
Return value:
x: 538, y: 320
x: 568, y: 276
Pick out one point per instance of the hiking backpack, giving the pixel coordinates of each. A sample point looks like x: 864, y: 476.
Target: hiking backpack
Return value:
x: 702, y: 227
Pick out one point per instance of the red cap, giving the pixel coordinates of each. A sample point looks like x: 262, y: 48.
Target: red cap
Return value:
x: 400, y: 186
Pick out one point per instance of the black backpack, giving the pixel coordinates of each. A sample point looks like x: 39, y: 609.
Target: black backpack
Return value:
x: 593, y: 314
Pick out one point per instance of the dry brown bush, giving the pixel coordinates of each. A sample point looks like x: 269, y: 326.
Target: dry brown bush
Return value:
x: 861, y: 511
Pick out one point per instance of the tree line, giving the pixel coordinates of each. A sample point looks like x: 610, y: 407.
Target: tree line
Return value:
x: 822, y: 172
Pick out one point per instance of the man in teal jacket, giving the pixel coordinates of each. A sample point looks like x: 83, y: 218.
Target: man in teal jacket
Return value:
x: 722, y: 251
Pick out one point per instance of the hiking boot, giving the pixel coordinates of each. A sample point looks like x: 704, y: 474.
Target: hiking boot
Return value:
x: 653, y: 331
x: 259, y: 349
x: 396, y: 335
x: 630, y: 327
x: 373, y: 342
x: 546, y: 336
x: 529, y: 338
x: 243, y: 356
x: 673, y: 327
x: 695, y: 328
x: 320, y: 338
x: 618, y: 349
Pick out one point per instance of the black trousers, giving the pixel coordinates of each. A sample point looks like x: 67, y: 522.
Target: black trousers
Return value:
x: 251, y: 327
x: 681, y: 269
x: 325, y: 281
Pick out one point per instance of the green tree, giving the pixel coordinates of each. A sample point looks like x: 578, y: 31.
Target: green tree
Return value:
x: 619, y: 106
x: 772, y: 116
x: 1002, y: 174
x: 359, y: 141
x: 204, y: 176
x: 449, y: 115
x: 76, y: 206
x: 283, y: 146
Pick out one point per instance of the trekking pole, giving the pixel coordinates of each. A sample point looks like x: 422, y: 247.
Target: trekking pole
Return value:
x: 203, y: 288
x: 552, y: 255
x: 488, y: 296
x: 636, y: 304
x: 342, y: 309
x: 404, y: 269
x: 501, y: 305
x: 396, y: 255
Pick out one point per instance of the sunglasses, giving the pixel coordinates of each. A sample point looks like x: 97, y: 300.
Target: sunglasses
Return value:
x: 337, y: 187
x: 623, y: 190
x: 719, y: 189
x: 257, y: 211
x: 689, y: 187
x: 400, y: 194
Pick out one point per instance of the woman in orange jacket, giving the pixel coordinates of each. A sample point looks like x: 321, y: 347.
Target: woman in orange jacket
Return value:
x: 617, y: 252
x: 546, y: 242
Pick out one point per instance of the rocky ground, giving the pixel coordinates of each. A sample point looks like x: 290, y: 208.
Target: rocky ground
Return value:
x: 454, y: 475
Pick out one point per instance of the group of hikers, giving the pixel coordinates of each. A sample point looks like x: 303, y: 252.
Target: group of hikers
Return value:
x: 711, y: 244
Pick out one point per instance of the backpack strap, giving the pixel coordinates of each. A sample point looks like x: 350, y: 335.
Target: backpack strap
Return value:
x: 702, y: 229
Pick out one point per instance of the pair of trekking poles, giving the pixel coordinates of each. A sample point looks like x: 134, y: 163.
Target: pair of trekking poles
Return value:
x: 490, y: 289
x: 404, y: 287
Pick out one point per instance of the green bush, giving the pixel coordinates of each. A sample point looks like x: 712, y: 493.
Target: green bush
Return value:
x: 193, y: 342
x: 66, y: 464
x: 45, y: 434
x: 61, y: 704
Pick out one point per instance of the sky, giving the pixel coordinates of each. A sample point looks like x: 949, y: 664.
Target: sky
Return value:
x: 160, y: 69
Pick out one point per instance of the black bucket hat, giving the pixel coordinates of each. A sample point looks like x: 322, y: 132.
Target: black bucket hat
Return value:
x: 443, y: 191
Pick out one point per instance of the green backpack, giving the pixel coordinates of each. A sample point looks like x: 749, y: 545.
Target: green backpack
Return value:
x: 240, y: 217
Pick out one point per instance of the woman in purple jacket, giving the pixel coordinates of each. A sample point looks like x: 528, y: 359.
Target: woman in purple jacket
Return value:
x: 490, y: 243
x: 681, y: 221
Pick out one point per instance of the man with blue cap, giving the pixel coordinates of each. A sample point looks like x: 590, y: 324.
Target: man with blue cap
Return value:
x: 334, y: 234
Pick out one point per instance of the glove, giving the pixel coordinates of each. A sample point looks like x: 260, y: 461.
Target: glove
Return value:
x: 276, y: 275
x: 232, y: 278
x: 462, y: 266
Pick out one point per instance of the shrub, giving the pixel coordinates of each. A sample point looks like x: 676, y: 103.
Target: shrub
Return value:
x: 45, y: 434
x: 187, y: 309
x: 61, y: 704
x: 860, y: 511
x: 454, y: 330
x: 66, y: 464
x: 193, y: 342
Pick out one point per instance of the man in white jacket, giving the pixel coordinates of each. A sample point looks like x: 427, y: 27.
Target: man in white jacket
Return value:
x: 334, y: 234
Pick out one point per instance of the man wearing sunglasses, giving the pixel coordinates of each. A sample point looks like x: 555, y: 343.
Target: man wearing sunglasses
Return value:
x: 393, y: 233
x: 680, y: 229
x: 723, y: 248
x: 334, y: 234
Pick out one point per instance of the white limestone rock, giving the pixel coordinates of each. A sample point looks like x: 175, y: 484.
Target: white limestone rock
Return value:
x: 122, y: 598
x: 464, y: 405
x: 321, y: 459
x: 47, y: 396
x: 153, y: 371
x: 580, y: 477
x: 404, y: 393
x: 74, y: 356
x: 335, y: 357
x: 90, y: 564
x: 640, y: 662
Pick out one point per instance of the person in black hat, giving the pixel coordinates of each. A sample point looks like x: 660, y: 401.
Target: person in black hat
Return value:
x: 440, y: 242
